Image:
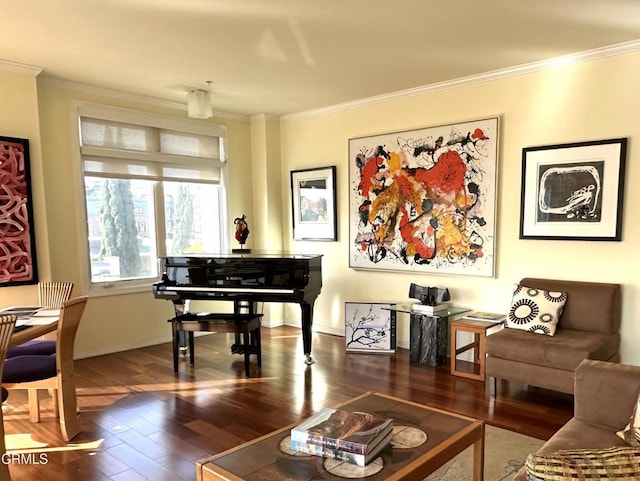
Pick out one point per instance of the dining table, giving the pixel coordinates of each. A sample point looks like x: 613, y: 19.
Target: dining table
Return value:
x: 32, y: 322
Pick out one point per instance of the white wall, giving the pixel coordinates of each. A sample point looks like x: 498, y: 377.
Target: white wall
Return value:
x: 588, y: 101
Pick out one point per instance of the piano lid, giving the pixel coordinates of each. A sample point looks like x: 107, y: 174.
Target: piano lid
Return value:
x: 244, y: 255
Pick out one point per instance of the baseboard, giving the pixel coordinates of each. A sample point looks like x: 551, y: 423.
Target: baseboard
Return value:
x: 334, y: 331
x: 129, y: 347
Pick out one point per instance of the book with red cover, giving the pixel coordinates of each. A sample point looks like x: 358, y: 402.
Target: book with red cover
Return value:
x: 353, y: 432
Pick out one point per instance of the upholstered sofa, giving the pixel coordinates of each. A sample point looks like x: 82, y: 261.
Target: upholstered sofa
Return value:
x: 587, y: 329
x: 604, y: 398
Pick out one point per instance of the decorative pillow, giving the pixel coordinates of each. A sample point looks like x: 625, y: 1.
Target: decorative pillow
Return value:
x: 619, y: 463
x: 536, y: 310
x: 631, y: 433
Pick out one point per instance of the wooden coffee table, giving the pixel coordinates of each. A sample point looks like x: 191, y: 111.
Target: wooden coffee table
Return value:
x: 424, y: 439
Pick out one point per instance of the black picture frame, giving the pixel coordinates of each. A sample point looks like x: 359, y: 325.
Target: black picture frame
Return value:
x: 573, y: 191
x: 313, y: 204
x: 18, y: 263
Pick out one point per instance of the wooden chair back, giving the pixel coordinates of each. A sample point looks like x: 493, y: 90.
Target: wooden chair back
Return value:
x: 70, y: 314
x: 6, y: 329
x: 53, y: 294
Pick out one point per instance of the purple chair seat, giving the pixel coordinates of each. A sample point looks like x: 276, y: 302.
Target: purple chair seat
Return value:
x: 28, y: 368
x: 33, y: 348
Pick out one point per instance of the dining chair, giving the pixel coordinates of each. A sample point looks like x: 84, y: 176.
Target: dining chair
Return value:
x: 6, y: 329
x: 53, y: 294
x: 50, y: 294
x: 56, y: 373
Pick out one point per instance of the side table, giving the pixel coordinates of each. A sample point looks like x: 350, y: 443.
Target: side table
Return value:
x: 479, y: 330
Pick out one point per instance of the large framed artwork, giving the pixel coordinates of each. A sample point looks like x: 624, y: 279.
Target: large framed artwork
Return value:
x: 17, y: 237
x: 424, y: 200
x: 313, y: 204
x: 573, y: 191
x: 369, y: 327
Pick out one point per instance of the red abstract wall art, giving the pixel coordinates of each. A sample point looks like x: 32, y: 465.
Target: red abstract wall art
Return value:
x: 424, y: 200
x: 17, y: 239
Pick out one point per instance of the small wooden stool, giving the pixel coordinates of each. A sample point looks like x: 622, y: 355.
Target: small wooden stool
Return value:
x: 247, y: 325
x: 479, y: 330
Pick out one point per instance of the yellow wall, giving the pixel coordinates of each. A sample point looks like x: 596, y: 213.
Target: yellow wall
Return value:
x: 588, y: 101
x: 593, y: 100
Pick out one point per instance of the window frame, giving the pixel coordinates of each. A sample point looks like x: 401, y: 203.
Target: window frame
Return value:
x: 117, y: 114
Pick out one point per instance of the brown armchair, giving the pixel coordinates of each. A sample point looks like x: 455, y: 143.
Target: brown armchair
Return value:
x: 588, y: 329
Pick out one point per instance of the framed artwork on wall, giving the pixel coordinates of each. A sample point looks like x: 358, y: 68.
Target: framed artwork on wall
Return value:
x: 424, y: 200
x: 573, y: 191
x: 369, y: 327
x: 17, y: 236
x: 313, y: 204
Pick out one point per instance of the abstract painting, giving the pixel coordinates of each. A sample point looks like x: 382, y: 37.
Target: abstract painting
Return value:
x: 424, y: 200
x: 573, y: 191
x: 369, y: 327
x: 17, y: 238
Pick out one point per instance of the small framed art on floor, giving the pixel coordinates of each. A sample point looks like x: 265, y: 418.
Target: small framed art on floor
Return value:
x: 370, y: 327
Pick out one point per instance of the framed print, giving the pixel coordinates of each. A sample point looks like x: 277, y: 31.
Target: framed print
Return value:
x: 369, y: 327
x: 17, y: 238
x: 424, y: 200
x: 313, y: 204
x: 573, y: 191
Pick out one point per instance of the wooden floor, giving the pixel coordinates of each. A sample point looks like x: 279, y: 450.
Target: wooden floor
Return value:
x: 141, y: 422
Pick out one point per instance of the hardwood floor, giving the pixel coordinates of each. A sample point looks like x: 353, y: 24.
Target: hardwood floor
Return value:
x: 141, y: 422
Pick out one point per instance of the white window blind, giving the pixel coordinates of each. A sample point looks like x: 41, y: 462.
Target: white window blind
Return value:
x: 113, y: 148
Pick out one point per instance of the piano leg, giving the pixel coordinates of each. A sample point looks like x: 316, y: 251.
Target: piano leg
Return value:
x: 176, y: 345
x: 307, y: 320
x: 192, y: 348
x: 181, y: 307
x: 247, y: 351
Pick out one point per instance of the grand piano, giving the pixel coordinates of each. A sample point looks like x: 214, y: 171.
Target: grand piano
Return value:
x: 244, y: 279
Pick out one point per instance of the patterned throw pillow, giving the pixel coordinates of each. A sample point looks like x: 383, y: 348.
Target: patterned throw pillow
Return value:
x: 618, y: 463
x: 535, y: 310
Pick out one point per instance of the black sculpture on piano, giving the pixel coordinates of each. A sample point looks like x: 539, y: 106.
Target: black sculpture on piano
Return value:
x: 244, y: 279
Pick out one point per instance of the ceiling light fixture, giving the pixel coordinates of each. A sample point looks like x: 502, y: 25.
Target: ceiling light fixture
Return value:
x: 199, y: 104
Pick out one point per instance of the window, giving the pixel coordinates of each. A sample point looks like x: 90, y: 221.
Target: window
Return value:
x: 153, y: 186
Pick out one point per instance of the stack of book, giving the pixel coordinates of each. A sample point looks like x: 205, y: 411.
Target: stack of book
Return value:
x: 353, y: 437
x: 430, y: 310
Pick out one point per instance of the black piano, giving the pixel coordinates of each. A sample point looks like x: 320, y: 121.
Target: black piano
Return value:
x: 244, y: 279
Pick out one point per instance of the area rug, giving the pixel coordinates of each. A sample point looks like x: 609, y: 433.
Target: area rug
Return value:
x: 504, y: 455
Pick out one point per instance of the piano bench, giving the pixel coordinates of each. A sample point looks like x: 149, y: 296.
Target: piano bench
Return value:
x: 245, y: 325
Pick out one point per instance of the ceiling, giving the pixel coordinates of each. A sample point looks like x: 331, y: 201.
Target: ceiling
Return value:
x: 281, y: 57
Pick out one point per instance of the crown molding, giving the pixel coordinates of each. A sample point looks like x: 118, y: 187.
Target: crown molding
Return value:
x: 116, y: 94
x: 524, y: 69
x: 20, y: 68
x: 264, y: 118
